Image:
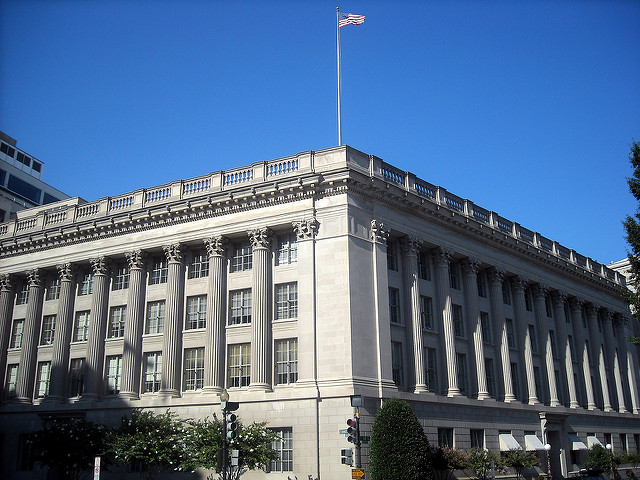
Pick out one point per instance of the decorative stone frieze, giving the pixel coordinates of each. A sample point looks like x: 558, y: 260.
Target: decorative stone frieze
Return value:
x: 307, y: 228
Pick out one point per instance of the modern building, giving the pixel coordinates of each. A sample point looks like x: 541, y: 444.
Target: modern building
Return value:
x: 21, y: 184
x: 297, y: 283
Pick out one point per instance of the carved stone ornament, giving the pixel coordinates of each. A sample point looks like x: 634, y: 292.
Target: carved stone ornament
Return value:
x: 518, y: 283
x: 470, y: 266
x: 590, y: 309
x: 410, y: 245
x: 441, y: 256
x: 307, y: 228
x: 136, y: 258
x: 576, y: 303
x: 260, y: 237
x: 539, y: 291
x: 6, y: 282
x: 66, y: 272
x: 495, y: 275
x: 216, y: 245
x: 100, y: 265
x: 559, y: 298
x: 174, y: 252
x: 379, y: 233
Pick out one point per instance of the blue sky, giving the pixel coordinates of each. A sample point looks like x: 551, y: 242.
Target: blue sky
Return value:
x: 526, y: 108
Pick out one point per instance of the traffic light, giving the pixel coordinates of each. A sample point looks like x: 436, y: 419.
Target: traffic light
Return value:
x: 232, y: 425
x: 347, y: 456
x: 352, y: 430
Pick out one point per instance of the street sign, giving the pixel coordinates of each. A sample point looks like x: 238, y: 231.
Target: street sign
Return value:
x: 343, y: 431
x: 96, y: 469
x: 357, y: 473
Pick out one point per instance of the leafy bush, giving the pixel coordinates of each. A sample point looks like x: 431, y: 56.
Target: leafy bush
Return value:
x: 598, y: 457
x: 519, y: 459
x: 481, y: 461
x: 447, y: 459
x: 399, y: 447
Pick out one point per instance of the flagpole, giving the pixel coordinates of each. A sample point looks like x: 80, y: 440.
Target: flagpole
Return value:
x: 338, y: 55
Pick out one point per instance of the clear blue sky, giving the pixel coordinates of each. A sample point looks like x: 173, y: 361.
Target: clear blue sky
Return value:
x: 526, y: 108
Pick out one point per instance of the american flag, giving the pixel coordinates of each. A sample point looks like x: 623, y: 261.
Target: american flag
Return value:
x: 345, y: 19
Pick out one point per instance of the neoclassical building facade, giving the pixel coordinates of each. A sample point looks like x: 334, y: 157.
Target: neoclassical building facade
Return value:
x: 297, y: 283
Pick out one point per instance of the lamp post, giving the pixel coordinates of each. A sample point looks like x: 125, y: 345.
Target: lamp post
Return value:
x: 613, y: 473
x: 547, y: 449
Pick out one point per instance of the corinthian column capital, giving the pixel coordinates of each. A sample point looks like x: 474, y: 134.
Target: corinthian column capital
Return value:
x: 136, y: 258
x: 441, y: 256
x: 66, y: 272
x: 260, y: 237
x: 7, y: 282
x: 100, y: 265
x: 35, y: 277
x: 495, y: 275
x: 307, y: 228
x: 470, y: 266
x: 216, y: 245
x: 379, y: 232
x: 174, y: 252
x: 518, y: 283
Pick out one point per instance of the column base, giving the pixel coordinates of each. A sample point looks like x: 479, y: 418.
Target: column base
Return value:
x: 212, y: 390
x: 262, y: 387
x: 623, y: 410
x: 454, y: 392
x: 420, y: 389
x: 49, y: 399
x: 169, y: 393
x: 483, y: 396
x: 574, y: 404
x: 129, y: 395
x: 592, y: 406
x: 23, y: 400
x: 510, y: 398
x: 608, y: 408
x: 90, y: 397
x: 555, y: 403
x: 534, y: 401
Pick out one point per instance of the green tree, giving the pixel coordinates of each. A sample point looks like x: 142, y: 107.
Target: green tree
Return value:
x: 481, y: 461
x: 599, y: 457
x: 519, y: 459
x: 399, y: 448
x: 153, y: 441
x: 447, y: 459
x: 632, y: 229
x: 203, y: 441
x: 69, y: 446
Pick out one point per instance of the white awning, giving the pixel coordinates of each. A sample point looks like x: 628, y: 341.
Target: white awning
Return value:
x: 507, y: 442
x: 576, y: 443
x: 593, y: 440
x: 532, y: 442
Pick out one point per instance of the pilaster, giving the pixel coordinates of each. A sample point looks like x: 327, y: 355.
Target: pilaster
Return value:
x: 496, y: 277
x: 410, y: 246
x: 470, y: 278
x: 564, y: 348
x: 518, y: 285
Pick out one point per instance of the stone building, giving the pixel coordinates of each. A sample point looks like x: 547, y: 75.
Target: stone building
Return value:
x: 296, y: 283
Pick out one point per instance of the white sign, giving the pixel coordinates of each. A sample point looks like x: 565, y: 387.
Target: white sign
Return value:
x: 96, y: 469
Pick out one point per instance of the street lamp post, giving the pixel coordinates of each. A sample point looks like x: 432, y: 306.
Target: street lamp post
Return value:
x: 547, y: 449
x: 612, y: 473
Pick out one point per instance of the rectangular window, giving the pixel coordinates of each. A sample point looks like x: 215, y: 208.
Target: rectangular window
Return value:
x: 155, y: 317
x: 286, y: 361
x: 239, y: 365
x: 287, y: 249
x: 117, y: 319
x: 461, y: 363
x: 240, y: 304
x: 515, y: 380
x: 152, y: 371
x: 53, y: 289
x: 454, y: 276
x: 196, y: 312
x: 394, y: 305
x: 81, y: 326
x: 486, y: 327
x: 193, y: 368
x: 286, y: 301
x: 159, y: 270
x: 12, y: 380
x: 511, y: 339
x: 396, y: 363
x: 426, y: 312
x: 242, y: 258
x: 283, y: 446
x: 392, y: 255
x: 491, y: 382
x: 532, y: 339
x: 85, y: 287
x: 506, y: 293
x: 482, y: 285
x: 48, y: 329
x: 458, y: 321
x: 16, y: 333
x: 23, y: 294
x: 477, y: 437
x: 445, y: 437
x: 76, y: 377
x: 430, y: 364
x: 199, y: 266
x: 113, y: 374
x: 424, y: 268
x: 42, y: 382
x: 120, y: 277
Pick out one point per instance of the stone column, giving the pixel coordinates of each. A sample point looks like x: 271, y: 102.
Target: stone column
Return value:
x: 612, y: 354
x: 632, y: 366
x: 582, y: 350
x: 410, y: 246
x: 261, y: 304
x: 7, y: 298
x: 472, y: 311
x: 134, y: 326
x: 29, y: 350
x: 540, y: 308
x: 441, y: 259
x: 619, y: 353
x: 622, y: 357
x: 598, y: 353
x: 94, y: 378
x: 214, y: 348
x: 496, y: 277
x: 62, y: 338
x: 564, y: 348
x: 172, y: 332
x: 524, y: 336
